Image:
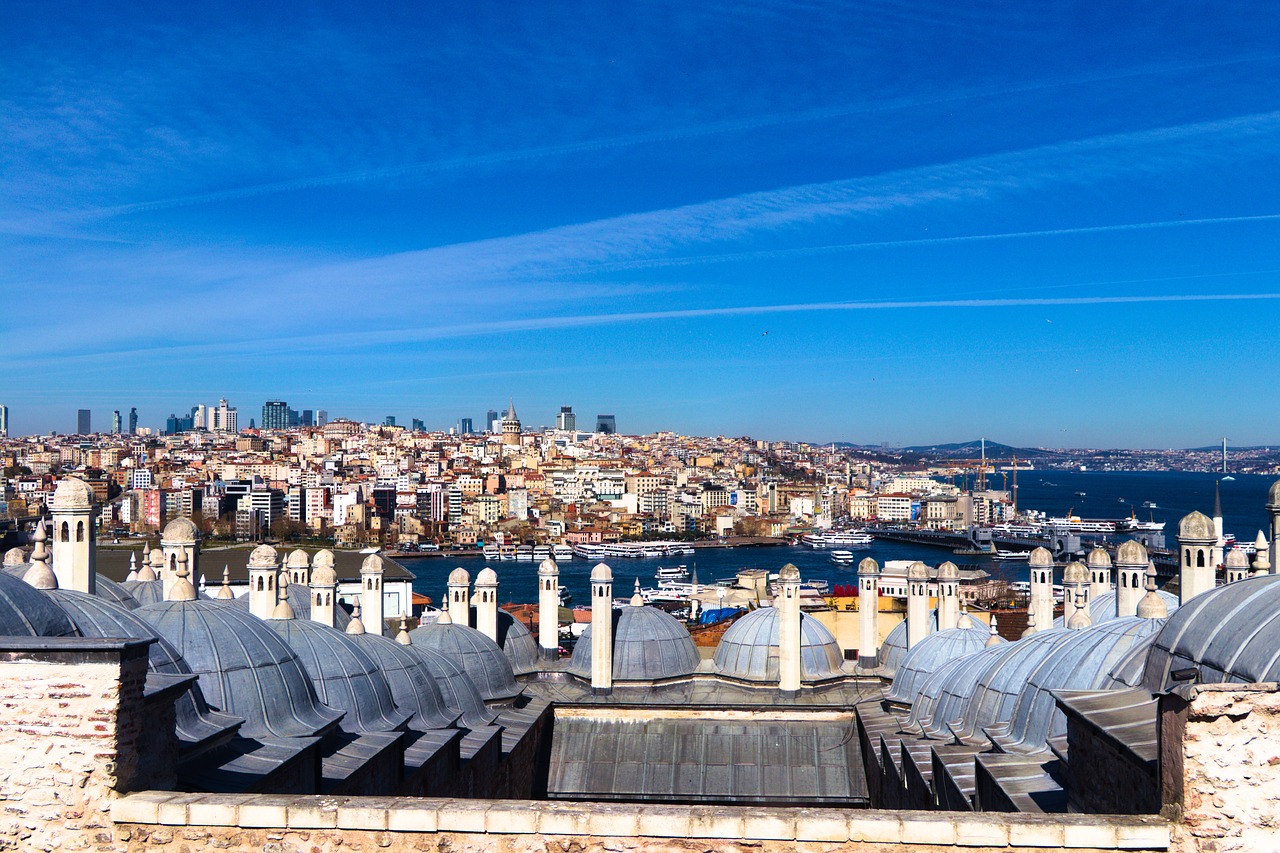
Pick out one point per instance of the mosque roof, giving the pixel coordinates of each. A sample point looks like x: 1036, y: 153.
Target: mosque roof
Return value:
x: 749, y: 648
x: 27, y: 612
x: 944, y: 694
x: 998, y: 685
x: 894, y: 647
x: 484, y: 663
x: 932, y: 652
x: 461, y: 698
x: 517, y: 643
x: 113, y: 563
x: 71, y: 493
x: 413, y: 687
x: 1102, y: 608
x: 299, y: 598
x: 1127, y: 672
x: 1228, y: 634
x: 245, y: 668
x: 344, y: 675
x: 648, y: 645
x: 1131, y: 552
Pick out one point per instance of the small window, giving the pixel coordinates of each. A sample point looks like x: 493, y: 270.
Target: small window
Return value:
x: 79, y: 531
x: 1199, y: 558
x: 259, y: 584
x: 65, y: 535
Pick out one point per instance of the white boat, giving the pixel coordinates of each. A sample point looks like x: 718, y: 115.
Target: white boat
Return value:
x: 838, y: 539
x: 541, y: 552
x: 671, y: 573
x: 561, y: 552
x: 1011, y: 555
x: 524, y: 553
x: 491, y: 552
x: 588, y: 552
x: 842, y: 557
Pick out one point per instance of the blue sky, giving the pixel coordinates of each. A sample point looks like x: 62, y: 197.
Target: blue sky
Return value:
x: 1052, y: 224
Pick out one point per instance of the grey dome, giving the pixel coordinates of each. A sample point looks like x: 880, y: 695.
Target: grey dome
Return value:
x: 97, y: 617
x: 344, y: 675
x: 245, y: 668
x: 144, y: 592
x: 27, y: 612
x: 999, y: 684
x: 413, y: 687
x: 1229, y: 634
x: 517, y: 643
x: 945, y: 694
x: 103, y: 587
x: 299, y: 598
x: 894, y: 647
x: 749, y: 649
x: 456, y: 688
x: 932, y: 652
x: 1103, y: 607
x: 1127, y: 671
x: 1083, y: 662
x: 479, y: 657
x: 648, y: 644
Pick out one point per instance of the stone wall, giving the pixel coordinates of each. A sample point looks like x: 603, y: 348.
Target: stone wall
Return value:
x: 1230, y: 768
x: 65, y: 746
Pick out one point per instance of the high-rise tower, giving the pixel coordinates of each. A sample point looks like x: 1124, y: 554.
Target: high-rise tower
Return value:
x: 83, y: 426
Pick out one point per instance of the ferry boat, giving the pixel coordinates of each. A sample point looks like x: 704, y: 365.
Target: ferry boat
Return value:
x: 491, y: 552
x: 1011, y: 555
x: 1149, y: 505
x: 671, y: 573
x: 588, y: 552
x: 838, y: 539
x: 842, y: 558
x: 561, y: 552
x: 541, y: 552
x: 524, y: 553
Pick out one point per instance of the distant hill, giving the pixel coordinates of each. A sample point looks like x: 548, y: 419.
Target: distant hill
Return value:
x: 973, y: 450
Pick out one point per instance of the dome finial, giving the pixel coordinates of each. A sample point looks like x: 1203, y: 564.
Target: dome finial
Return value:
x: 965, y: 621
x: 1080, y: 619
x: 283, y: 609
x: 355, y: 626
x: 444, y: 618
x: 1261, y: 556
x: 133, y: 568
x: 182, y: 590
x: 1152, y: 606
x: 403, y: 637
x: 637, y: 600
x: 225, y: 593
x: 1031, y: 623
x: 994, y: 639
x: 40, y: 575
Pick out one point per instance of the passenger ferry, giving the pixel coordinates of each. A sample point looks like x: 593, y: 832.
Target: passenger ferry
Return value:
x: 842, y: 557
x: 671, y: 573
x: 1011, y: 555
x: 524, y: 553
x: 541, y: 552
x: 561, y: 552
x: 838, y: 539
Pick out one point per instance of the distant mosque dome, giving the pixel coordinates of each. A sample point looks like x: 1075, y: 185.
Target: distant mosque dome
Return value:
x: 648, y: 645
x: 749, y: 648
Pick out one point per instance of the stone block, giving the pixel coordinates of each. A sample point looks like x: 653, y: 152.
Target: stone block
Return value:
x: 514, y: 817
x: 1036, y: 831
x: 714, y: 823
x: 822, y: 825
x: 1148, y: 836
x: 613, y: 821
x: 876, y: 828
x: 982, y: 830
x: 461, y: 816
x: 1093, y: 834
x: 920, y: 828
x: 769, y: 825
x: 663, y: 822
x: 367, y: 813
x: 419, y: 817
x: 173, y: 811
x: 265, y: 812
x: 214, y: 811
x: 314, y: 814
x: 562, y: 820
x: 140, y: 808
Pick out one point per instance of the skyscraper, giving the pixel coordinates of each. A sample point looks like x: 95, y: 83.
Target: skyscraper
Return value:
x: 4, y: 421
x: 566, y: 420
x: 275, y: 414
x: 390, y: 421
x: 606, y: 424
x: 322, y: 417
x: 490, y: 420
x: 115, y: 422
x: 200, y: 420
x: 465, y: 426
x: 308, y: 418
x: 133, y: 421
x: 224, y: 418
x: 83, y: 427
x: 418, y: 425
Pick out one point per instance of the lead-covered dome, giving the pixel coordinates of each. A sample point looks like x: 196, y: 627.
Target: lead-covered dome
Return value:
x: 413, y: 687
x: 749, y: 649
x: 999, y: 684
x: 461, y: 698
x: 299, y: 598
x: 932, y: 652
x: 517, y: 643
x: 648, y: 645
x: 481, y: 659
x: 27, y: 612
x: 894, y: 647
x: 245, y: 668
x: 1228, y: 634
x: 1103, y: 608
x: 345, y: 677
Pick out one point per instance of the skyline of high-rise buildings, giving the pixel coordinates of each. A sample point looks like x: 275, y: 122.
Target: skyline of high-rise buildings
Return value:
x: 84, y: 424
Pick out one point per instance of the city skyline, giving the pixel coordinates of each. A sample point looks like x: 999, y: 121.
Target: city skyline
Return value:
x: 867, y: 225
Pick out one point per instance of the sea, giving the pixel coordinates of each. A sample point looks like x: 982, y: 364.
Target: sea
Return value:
x: 1088, y: 494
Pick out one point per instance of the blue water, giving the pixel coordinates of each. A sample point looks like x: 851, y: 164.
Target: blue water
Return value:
x: 1176, y: 494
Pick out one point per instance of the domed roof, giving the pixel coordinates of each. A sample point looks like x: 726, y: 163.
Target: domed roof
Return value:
x: 1127, y: 672
x: 104, y: 587
x: 648, y: 645
x: 15, y: 557
x: 894, y: 647
x: 96, y: 617
x: 461, y: 698
x: 71, y: 493
x: 299, y: 598
x: 1236, y: 559
x: 1041, y: 558
x: 548, y: 567
x: 1228, y: 634
x: 1196, y: 525
x: 323, y: 559
x: 1083, y: 662
x: 1075, y: 573
x: 918, y: 571
x: 948, y: 571
x: 180, y: 531
x: 1099, y: 558
x: 297, y: 559
x: 868, y: 566
x: 481, y: 659
x: 344, y: 675
x: 749, y: 648
x: 932, y: 652
x: 602, y: 572
x: 999, y: 684
x: 459, y: 576
x: 487, y: 577
x: 944, y: 695
x: 245, y: 668
x: 143, y: 592
x: 517, y: 643
x: 27, y: 612
x: 263, y: 557
x: 1273, y: 494
x: 413, y: 687
x: 1102, y: 608
x: 372, y: 564
x: 322, y: 571
x: 1131, y: 553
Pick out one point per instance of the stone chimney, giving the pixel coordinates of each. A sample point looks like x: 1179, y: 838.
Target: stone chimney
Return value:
x: 371, y: 595
x: 262, y: 581
x: 486, y: 601
x: 549, y: 608
x: 1131, y: 565
x: 1041, y: 568
x: 787, y: 604
x: 323, y: 588
x: 917, y: 603
x: 601, y: 629
x: 74, y: 538
x: 948, y: 596
x: 868, y: 614
x: 459, y: 603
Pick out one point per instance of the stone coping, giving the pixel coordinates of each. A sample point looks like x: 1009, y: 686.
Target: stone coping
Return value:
x: 537, y: 817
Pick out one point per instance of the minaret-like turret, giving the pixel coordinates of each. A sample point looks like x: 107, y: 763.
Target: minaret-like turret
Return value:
x: 486, y: 601
x: 74, y: 537
x: 323, y: 588
x: 548, y: 608
x: 1040, y: 564
x: 262, y: 581
x: 371, y: 595
x: 224, y: 592
x: 181, y: 590
x: 1152, y: 606
x: 283, y: 609
x: 1235, y: 566
x: 601, y: 629
x: 868, y: 614
x: 917, y: 603
x: 1218, y: 555
x: 1261, y: 563
x: 1099, y: 562
x: 1131, y: 565
x: 948, y: 596
x: 297, y: 564
x: 180, y: 536
x: 459, y: 597
x: 1273, y: 513
x: 788, y: 606
x: 1196, y: 539
x: 1075, y: 585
